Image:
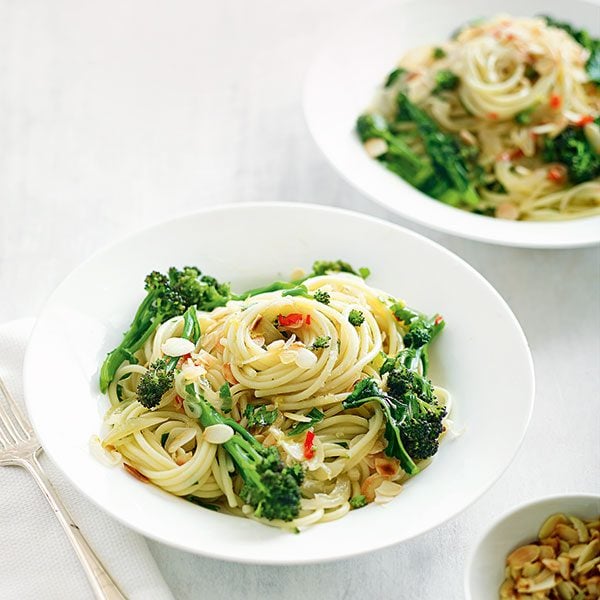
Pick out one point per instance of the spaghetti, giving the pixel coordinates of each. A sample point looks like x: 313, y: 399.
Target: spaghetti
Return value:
x: 280, y: 364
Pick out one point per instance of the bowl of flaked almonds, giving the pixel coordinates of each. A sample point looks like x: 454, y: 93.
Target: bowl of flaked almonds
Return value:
x: 546, y: 549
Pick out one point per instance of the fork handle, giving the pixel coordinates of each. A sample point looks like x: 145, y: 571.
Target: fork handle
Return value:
x: 103, y: 586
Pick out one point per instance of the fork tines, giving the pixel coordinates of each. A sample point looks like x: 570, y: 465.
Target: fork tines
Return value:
x: 14, y: 426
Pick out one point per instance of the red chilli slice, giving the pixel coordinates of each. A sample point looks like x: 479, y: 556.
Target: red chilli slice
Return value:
x: 309, y: 449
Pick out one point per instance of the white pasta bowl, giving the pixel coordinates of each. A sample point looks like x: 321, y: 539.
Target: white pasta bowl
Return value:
x: 482, y: 357
x: 485, y: 566
x: 347, y: 71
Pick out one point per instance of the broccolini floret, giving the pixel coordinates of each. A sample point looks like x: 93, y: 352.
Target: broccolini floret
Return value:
x: 166, y: 296
x: 357, y: 502
x: 572, y: 148
x: 356, y: 317
x: 272, y: 489
x: 321, y: 342
x: 154, y: 383
x: 322, y: 296
x: 445, y: 80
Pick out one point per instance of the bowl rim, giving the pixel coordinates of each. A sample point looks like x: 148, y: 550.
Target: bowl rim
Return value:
x: 28, y: 369
x: 505, y: 516
x: 560, y: 234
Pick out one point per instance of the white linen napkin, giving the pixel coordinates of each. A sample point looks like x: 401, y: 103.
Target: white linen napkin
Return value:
x: 36, y: 559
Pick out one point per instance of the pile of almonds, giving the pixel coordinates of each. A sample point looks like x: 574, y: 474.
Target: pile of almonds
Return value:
x: 562, y: 564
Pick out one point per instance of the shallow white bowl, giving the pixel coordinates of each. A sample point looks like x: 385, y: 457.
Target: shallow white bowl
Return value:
x: 362, y: 51
x: 482, y: 357
x: 485, y: 567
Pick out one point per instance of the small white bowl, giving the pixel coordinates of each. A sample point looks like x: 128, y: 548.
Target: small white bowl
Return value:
x: 485, y: 566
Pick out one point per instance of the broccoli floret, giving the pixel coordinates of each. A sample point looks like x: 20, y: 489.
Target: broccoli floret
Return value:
x: 394, y: 410
x: 413, y: 415
x: 357, y: 502
x: 272, y: 489
x: 154, y: 383
x: 323, y: 267
x: 202, y: 290
x: 445, y: 80
x: 158, y: 379
x: 412, y: 412
x: 438, y: 53
x: 321, y: 342
x: 260, y: 416
x: 422, y: 427
x: 166, y: 297
x: 356, y: 317
x: 572, y: 148
x: 322, y: 296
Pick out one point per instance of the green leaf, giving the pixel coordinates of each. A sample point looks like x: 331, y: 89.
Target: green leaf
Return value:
x: 315, y: 416
x: 225, y: 395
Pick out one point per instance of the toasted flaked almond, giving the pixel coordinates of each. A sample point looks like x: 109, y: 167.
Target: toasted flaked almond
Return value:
x: 551, y: 564
x: 547, y: 552
x: 507, y: 210
x: 177, y: 346
x: 182, y: 457
x: 287, y: 357
x: 531, y: 569
x: 565, y: 566
x: 587, y: 566
x: 259, y: 340
x: 566, y: 590
x: 228, y: 374
x: 567, y: 533
x: 256, y: 322
x: 576, y: 551
x: 589, y: 552
x: 389, y: 488
x: 552, y: 542
x: 192, y: 372
x: 375, y: 147
x: 386, y: 467
x: 563, y: 546
x: 369, y: 485
x: 132, y: 471
x: 305, y: 359
x: 525, y: 554
x: 540, y: 583
x: 547, y: 528
x: 218, y: 434
x: 506, y: 589
x: 178, y: 437
x: 582, y: 531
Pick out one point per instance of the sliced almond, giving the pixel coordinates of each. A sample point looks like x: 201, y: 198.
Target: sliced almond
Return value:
x: 566, y: 533
x: 565, y: 567
x: 547, y: 528
x: 177, y: 346
x: 525, y: 554
x: 588, y: 553
x: 581, y: 529
x: 531, y: 569
x: 375, y: 147
x: 218, y: 434
x: 551, y: 564
x: 547, y: 552
x: 566, y: 590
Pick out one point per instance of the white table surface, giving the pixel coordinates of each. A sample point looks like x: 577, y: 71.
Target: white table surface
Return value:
x: 117, y: 114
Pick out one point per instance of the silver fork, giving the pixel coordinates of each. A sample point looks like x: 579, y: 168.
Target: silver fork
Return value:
x: 19, y: 446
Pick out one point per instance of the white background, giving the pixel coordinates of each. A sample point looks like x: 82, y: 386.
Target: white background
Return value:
x: 115, y: 115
